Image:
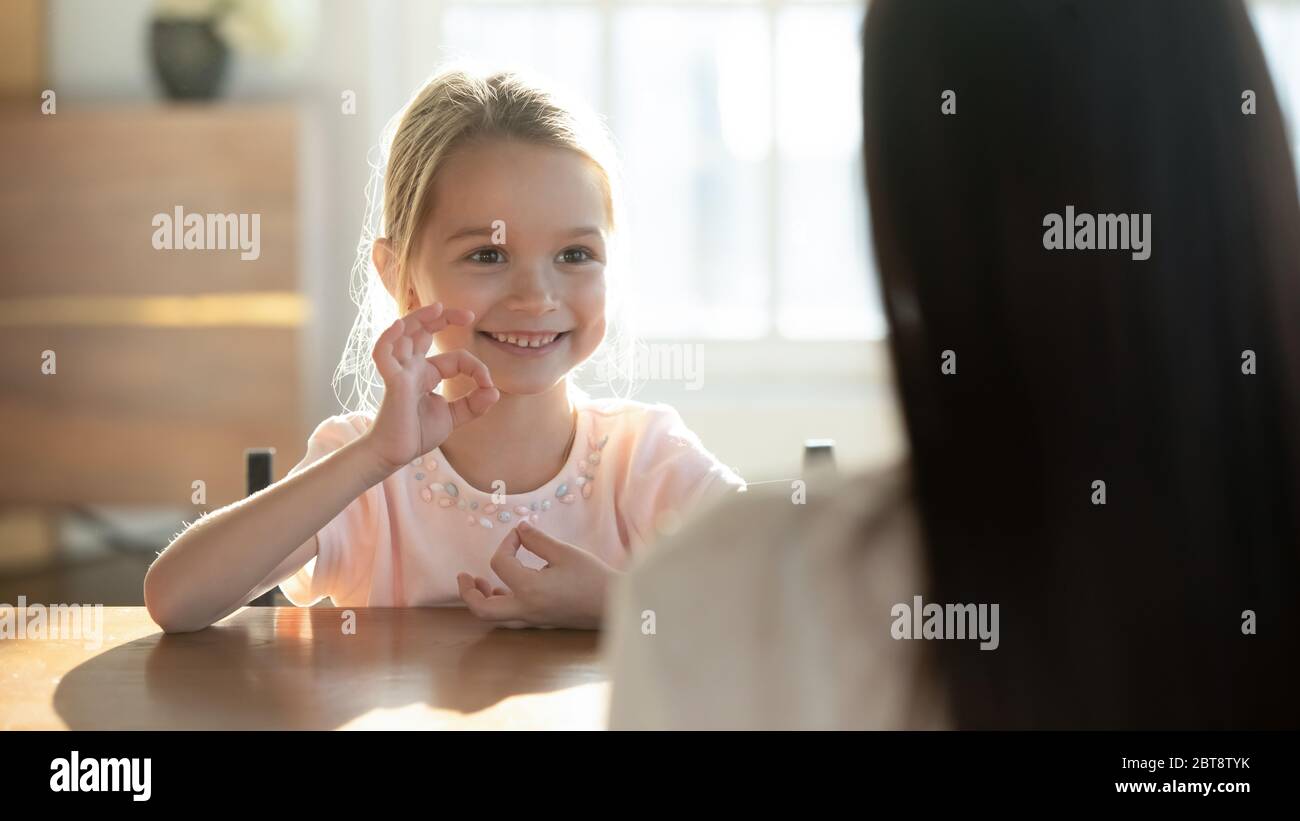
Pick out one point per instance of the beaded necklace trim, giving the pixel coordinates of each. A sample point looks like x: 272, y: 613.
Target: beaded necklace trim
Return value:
x: 480, y: 509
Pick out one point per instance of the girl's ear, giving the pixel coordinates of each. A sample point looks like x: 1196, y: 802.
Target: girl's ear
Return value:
x: 381, y: 254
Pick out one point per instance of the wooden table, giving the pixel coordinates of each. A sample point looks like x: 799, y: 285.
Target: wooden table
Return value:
x: 296, y: 668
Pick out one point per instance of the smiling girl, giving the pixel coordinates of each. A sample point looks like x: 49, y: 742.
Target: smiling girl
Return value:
x: 484, y: 476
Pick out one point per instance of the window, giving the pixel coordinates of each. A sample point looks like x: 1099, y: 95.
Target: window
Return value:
x: 739, y: 129
x: 1277, y: 22
x: 738, y: 126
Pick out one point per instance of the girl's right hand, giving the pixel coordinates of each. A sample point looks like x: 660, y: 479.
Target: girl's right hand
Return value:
x: 413, y: 420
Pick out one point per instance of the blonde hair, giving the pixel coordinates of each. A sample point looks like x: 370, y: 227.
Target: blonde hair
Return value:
x: 454, y: 108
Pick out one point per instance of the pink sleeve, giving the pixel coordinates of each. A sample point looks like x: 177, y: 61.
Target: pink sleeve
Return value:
x: 670, y: 475
x: 355, y: 524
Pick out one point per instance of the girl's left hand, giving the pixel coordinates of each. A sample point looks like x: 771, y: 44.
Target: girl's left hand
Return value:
x: 568, y: 592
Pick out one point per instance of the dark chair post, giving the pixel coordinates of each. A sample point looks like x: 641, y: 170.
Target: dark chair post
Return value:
x: 259, y: 462
x: 818, y: 454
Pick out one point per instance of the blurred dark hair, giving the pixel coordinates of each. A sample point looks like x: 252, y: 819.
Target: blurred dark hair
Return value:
x: 1076, y: 366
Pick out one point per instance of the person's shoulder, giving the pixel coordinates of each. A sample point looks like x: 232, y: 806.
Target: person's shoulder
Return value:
x: 631, y: 413
x: 653, y: 440
x: 653, y: 427
x: 819, y: 520
x: 331, y: 434
x: 785, y: 591
x: 343, y: 427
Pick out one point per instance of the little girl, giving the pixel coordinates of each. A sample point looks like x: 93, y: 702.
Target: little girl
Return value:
x: 506, y: 487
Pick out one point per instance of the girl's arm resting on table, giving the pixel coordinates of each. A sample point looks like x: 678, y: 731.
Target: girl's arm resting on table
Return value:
x: 234, y: 554
x: 287, y: 568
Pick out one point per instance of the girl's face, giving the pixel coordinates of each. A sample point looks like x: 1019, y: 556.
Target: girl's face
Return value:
x: 516, y: 233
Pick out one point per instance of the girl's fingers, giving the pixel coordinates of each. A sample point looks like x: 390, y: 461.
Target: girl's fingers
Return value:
x: 393, y: 342
x: 412, y: 335
x: 473, y: 405
x: 382, y: 355
x: 391, y: 333
x: 422, y: 317
x: 427, y: 312
x: 421, y: 340
x: 402, y: 348
x: 461, y: 362
x: 421, y: 324
x: 499, y: 608
x: 457, y: 316
x: 432, y: 318
x: 506, y: 565
x: 454, y: 363
x: 486, y: 588
x: 542, y: 544
x: 496, y: 608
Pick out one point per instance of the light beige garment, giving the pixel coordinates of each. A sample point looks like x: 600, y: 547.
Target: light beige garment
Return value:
x: 771, y: 614
x: 401, y: 543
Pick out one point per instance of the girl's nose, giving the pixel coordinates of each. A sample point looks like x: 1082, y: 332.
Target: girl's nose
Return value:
x: 532, y: 289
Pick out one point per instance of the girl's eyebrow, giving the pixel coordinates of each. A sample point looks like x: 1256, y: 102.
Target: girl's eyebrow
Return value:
x: 470, y: 232
x: 581, y: 231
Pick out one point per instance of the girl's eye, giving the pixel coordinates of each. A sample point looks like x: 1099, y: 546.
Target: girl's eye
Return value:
x: 487, y: 256
x: 576, y: 256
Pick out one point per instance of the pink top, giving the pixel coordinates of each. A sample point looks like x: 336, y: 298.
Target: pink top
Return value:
x: 635, y: 468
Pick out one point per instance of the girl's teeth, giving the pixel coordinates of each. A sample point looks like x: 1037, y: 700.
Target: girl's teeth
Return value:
x: 535, y: 342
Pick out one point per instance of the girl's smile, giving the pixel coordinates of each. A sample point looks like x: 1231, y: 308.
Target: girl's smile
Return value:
x: 526, y: 343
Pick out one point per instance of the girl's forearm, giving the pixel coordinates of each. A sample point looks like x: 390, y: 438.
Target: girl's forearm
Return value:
x: 215, y: 565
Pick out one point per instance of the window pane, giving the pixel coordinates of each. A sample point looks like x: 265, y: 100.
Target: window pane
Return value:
x: 1278, y: 26
x: 691, y: 114
x: 561, y: 43
x: 828, y: 286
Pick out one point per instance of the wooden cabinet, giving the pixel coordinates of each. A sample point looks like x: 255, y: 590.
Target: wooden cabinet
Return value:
x: 168, y: 362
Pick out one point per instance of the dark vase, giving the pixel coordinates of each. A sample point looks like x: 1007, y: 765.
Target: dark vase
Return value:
x: 190, y: 58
